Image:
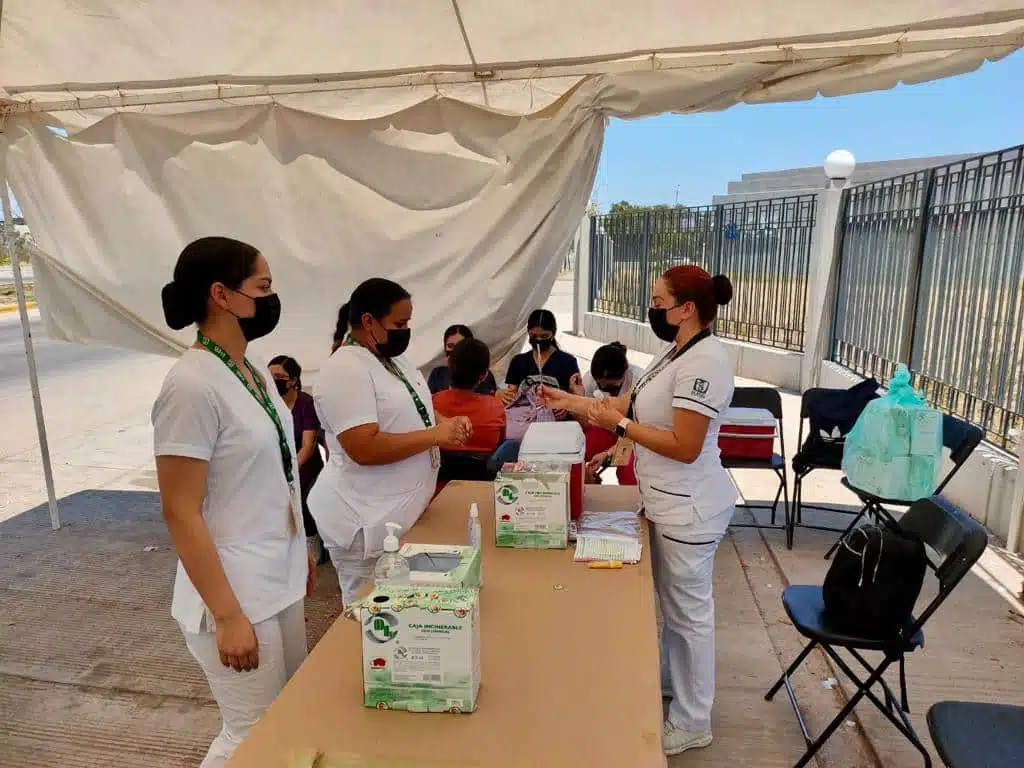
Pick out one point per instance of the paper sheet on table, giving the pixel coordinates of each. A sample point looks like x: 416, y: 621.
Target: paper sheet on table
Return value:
x: 608, y: 536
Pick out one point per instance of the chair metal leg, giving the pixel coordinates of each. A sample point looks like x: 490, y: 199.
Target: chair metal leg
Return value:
x: 789, y: 672
x: 891, y: 708
x: 786, y: 511
x: 813, y: 748
x: 849, y: 528
x: 778, y: 495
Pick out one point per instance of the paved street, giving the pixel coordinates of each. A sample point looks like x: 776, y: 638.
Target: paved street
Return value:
x: 7, y: 274
x: 96, y: 402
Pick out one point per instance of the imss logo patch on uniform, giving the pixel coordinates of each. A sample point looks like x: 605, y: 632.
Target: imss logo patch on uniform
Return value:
x: 701, y: 387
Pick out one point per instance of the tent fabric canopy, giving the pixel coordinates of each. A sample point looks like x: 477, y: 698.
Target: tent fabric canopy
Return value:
x: 448, y: 144
x: 356, y: 59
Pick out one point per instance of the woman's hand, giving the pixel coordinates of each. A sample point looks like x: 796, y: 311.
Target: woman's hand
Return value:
x: 576, y: 385
x: 555, y: 399
x: 310, y: 574
x: 604, y: 415
x: 597, y: 460
x: 237, y: 643
x: 453, y: 432
x: 593, y: 465
x: 506, y: 395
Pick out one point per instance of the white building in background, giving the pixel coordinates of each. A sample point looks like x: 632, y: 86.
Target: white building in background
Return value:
x: 799, y: 181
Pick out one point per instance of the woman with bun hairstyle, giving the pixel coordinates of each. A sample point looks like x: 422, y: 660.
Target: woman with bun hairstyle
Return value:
x: 383, y: 434
x: 225, y: 461
x: 672, y: 415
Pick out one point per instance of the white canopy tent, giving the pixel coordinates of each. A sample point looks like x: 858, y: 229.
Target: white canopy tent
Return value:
x: 448, y: 144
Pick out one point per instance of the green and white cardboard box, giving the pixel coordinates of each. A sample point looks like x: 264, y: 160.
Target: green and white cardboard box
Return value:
x: 421, y: 648
x: 442, y: 565
x: 531, y: 507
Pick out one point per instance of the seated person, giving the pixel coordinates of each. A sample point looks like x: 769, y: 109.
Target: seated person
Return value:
x: 470, y: 364
x: 545, y: 363
x: 611, y: 373
x: 440, y: 378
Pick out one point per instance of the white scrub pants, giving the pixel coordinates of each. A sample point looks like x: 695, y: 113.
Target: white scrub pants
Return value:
x: 243, y: 697
x: 683, y: 560
x: 355, y: 570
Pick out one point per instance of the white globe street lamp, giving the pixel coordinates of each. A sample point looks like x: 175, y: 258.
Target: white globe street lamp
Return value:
x: 839, y: 165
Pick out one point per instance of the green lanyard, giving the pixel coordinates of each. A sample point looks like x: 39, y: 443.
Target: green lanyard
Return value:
x: 260, y: 393
x: 394, y: 370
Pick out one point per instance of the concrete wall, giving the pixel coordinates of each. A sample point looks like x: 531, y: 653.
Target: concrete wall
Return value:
x: 752, y: 361
x: 984, y: 486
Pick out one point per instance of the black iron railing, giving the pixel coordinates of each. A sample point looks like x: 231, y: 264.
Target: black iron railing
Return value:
x: 762, y: 245
x: 932, y: 275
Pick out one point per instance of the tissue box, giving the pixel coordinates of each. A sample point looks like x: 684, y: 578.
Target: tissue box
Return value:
x: 442, y: 565
x: 421, y: 649
x: 531, y: 507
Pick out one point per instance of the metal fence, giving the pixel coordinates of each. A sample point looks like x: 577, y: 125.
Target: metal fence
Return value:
x: 762, y: 245
x: 932, y: 275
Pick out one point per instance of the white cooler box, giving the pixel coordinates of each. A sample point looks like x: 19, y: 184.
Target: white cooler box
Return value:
x: 558, y: 442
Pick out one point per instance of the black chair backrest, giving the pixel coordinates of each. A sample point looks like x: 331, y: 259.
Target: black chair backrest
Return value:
x: 765, y: 398
x: 955, y: 536
x: 464, y: 465
x: 961, y: 437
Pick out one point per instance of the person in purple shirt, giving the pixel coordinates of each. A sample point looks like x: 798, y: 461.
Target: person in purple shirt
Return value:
x: 287, y: 375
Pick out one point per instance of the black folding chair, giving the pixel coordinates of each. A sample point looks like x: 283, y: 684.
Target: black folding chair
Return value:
x: 465, y: 465
x: 958, y: 540
x: 968, y: 734
x: 768, y: 399
x: 960, y: 437
x: 817, y: 452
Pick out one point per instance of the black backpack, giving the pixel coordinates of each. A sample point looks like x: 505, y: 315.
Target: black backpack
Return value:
x: 873, y: 583
x: 832, y: 414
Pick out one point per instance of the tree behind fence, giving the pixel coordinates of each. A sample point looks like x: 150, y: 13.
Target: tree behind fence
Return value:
x: 762, y: 245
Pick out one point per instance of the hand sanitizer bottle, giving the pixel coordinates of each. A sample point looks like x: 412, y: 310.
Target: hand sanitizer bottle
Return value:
x: 476, y: 536
x: 391, y: 567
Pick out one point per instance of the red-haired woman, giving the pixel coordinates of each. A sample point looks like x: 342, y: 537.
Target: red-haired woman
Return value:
x: 672, y: 415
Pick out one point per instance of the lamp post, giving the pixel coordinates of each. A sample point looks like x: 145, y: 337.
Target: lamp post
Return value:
x: 839, y: 167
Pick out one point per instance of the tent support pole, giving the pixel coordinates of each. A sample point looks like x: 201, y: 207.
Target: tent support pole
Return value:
x: 30, y: 355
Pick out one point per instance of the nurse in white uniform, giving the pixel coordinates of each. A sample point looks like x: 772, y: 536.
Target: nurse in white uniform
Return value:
x: 382, y: 435
x: 225, y: 460
x: 672, y: 416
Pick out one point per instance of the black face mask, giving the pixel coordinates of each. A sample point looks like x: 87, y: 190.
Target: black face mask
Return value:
x: 264, y: 319
x: 662, y: 328
x: 395, y: 344
x: 542, y: 345
x: 282, y: 386
x: 612, y: 389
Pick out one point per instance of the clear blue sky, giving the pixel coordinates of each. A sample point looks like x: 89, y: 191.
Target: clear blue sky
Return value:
x: 644, y: 160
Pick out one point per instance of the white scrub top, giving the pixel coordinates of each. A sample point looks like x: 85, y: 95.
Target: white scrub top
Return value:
x: 633, y: 374
x: 673, y: 492
x: 354, y: 388
x: 204, y: 412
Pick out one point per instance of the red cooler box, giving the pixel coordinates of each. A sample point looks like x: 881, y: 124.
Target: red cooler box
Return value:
x: 747, y: 433
x: 558, y: 442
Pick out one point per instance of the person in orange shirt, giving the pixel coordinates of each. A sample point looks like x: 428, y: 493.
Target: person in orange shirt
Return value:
x: 470, y: 365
